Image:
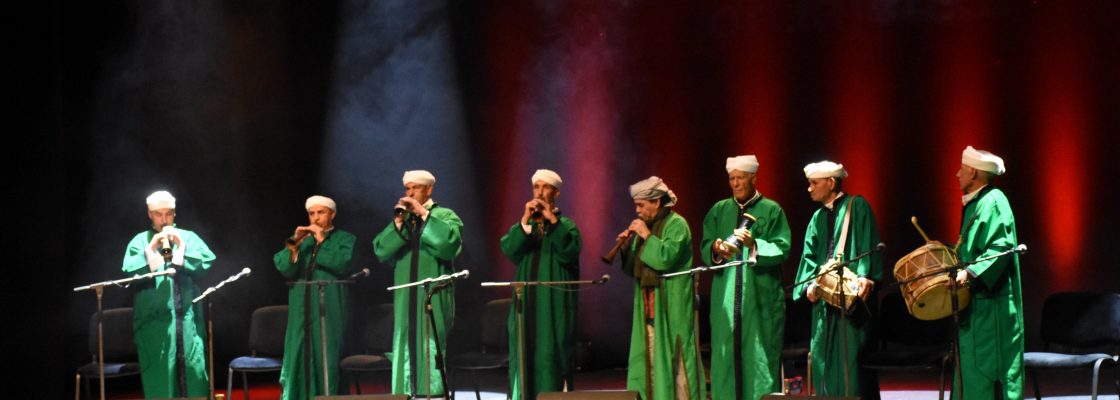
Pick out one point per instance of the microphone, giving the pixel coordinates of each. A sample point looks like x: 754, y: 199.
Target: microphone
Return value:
x: 244, y: 271
x: 1021, y: 248
x: 360, y: 274
x: 602, y: 280
x: 880, y: 247
x: 464, y: 274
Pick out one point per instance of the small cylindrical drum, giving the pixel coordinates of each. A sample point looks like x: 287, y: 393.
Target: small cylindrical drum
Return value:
x: 828, y: 288
x: 927, y: 292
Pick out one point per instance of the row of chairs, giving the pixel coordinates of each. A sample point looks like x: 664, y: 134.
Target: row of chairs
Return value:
x: 1071, y: 322
x: 1077, y: 324
x: 266, y: 344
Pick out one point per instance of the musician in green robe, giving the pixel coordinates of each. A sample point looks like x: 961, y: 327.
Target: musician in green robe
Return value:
x: 157, y: 333
x: 315, y: 252
x: 664, y: 347
x: 421, y: 242
x: 545, y: 245
x: 748, y: 303
x: 991, y: 331
x: 836, y: 342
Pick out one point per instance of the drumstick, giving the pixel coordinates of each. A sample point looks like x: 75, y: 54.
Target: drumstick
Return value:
x: 914, y: 220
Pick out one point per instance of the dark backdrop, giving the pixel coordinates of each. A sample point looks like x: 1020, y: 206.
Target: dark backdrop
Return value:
x: 243, y: 109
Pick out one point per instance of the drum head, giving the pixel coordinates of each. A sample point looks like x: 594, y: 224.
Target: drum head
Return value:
x: 935, y: 302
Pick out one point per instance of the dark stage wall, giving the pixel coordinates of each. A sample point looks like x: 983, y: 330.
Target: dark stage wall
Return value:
x: 243, y: 109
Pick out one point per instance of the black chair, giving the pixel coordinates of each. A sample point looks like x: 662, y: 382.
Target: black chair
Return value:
x: 495, y: 344
x: 1079, y: 323
x: 590, y: 395
x: 796, y: 335
x: 910, y: 344
x: 120, y: 349
x: 376, y: 337
x: 266, y: 342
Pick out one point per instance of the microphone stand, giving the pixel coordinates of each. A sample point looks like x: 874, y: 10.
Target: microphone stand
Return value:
x: 694, y: 276
x: 210, y: 323
x: 322, y: 285
x: 519, y: 308
x: 951, y: 271
x: 838, y: 268
x: 98, y: 289
x: 441, y: 282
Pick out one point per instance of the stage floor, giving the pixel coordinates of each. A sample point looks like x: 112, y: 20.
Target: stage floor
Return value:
x: 1069, y: 385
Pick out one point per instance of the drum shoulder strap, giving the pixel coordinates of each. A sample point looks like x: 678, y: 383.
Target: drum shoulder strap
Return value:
x: 844, y: 230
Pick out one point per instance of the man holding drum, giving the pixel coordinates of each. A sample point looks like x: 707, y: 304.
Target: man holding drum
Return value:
x: 748, y: 304
x: 991, y: 332
x: 841, y: 229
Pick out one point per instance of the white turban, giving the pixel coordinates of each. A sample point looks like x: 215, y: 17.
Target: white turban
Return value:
x: 825, y: 169
x: 548, y: 176
x: 419, y: 177
x: 160, y: 200
x: 742, y: 163
x: 982, y: 160
x: 652, y: 188
x: 319, y: 201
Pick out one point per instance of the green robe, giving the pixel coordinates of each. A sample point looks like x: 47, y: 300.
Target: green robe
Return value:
x: 301, y: 377
x: 667, y: 249
x: 154, y: 323
x: 439, y: 242
x: 991, y: 330
x: 761, y: 301
x: 827, y: 337
x: 549, y: 253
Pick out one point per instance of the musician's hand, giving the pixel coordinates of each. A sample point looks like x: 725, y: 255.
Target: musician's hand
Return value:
x: 639, y: 227
x: 811, y: 292
x: 155, y: 243
x: 318, y: 232
x: 546, y: 213
x: 865, y: 286
x: 157, y: 240
x: 530, y: 208
x: 720, y: 252
x: 962, y: 278
x: 414, y: 206
x: 744, y: 237
x: 623, y: 235
x: 172, y: 235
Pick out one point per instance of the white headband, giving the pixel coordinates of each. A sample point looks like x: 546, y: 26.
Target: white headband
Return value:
x: 548, y: 176
x: 982, y: 160
x: 825, y: 169
x: 419, y: 177
x: 160, y: 200
x: 319, y: 201
x: 747, y: 163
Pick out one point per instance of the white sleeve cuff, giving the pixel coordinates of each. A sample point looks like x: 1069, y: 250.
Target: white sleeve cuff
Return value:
x: 527, y: 229
x: 155, y: 261
x: 177, y: 254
